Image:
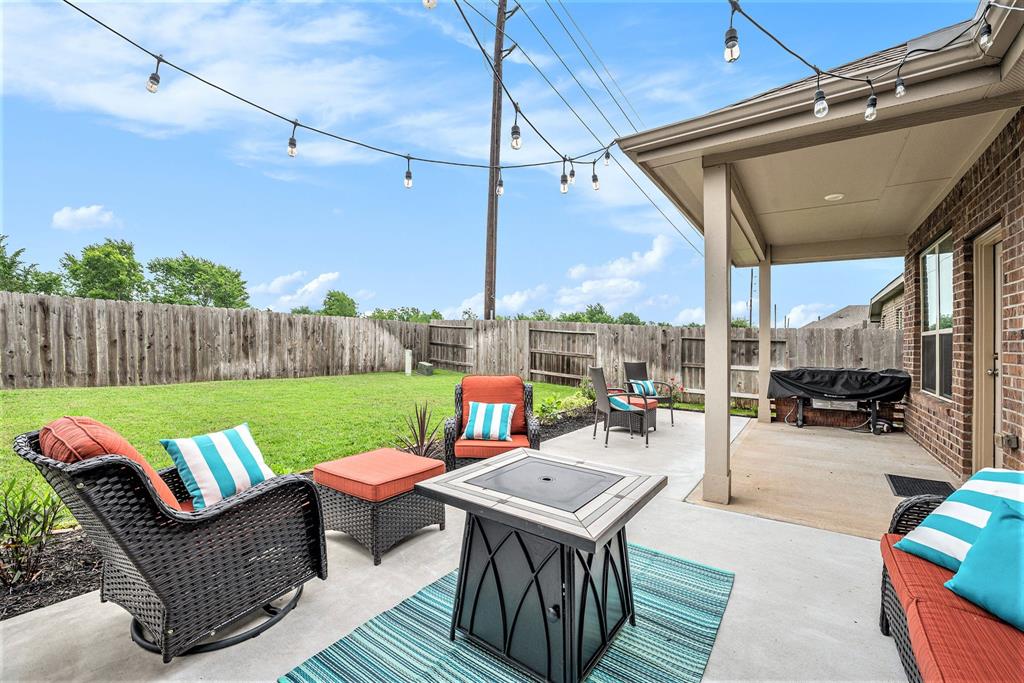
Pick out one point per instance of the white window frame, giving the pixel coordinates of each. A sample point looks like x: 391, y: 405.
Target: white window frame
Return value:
x: 933, y: 249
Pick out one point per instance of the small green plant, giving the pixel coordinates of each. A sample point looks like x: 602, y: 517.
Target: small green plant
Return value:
x: 27, y: 520
x: 420, y: 438
x: 552, y: 409
x: 548, y: 410
x: 587, y: 388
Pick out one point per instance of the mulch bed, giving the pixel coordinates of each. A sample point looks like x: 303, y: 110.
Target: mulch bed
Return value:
x: 71, y: 566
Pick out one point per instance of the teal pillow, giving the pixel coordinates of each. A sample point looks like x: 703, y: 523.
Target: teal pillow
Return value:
x: 643, y: 387
x: 992, y: 573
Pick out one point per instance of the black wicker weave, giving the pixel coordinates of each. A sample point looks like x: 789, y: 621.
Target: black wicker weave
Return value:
x: 453, y: 429
x: 892, y: 621
x: 378, y: 526
x: 641, y: 421
x: 638, y: 371
x: 185, y: 575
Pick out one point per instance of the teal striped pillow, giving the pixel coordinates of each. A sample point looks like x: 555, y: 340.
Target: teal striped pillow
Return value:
x: 621, y: 402
x: 489, y: 421
x: 945, y: 536
x: 218, y: 465
x: 643, y: 387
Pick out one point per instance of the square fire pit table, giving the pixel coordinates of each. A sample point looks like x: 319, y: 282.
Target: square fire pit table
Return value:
x: 544, y: 579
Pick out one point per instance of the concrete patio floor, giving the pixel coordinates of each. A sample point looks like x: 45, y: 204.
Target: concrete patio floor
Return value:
x: 804, y: 605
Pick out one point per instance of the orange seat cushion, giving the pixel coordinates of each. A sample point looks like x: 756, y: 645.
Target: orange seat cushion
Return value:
x: 914, y: 578
x: 73, y: 439
x: 496, y: 389
x: 477, y: 448
x: 377, y: 475
x: 952, y: 644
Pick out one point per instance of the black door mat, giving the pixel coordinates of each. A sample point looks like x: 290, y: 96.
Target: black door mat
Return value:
x: 913, y: 486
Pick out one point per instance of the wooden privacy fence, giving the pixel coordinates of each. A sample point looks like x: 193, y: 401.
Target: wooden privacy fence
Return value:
x: 68, y: 342
x: 56, y: 342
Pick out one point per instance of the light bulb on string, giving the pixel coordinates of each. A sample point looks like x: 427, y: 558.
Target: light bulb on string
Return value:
x: 593, y: 178
x: 572, y: 174
x: 901, y: 87
x: 985, y: 35
x: 564, y: 180
x: 871, y: 110
x: 429, y: 4
x: 820, y: 103
x: 517, y: 140
x: 607, y: 158
x: 408, y: 173
x: 154, y: 78
x: 293, y: 148
x: 499, y: 188
x: 732, y: 45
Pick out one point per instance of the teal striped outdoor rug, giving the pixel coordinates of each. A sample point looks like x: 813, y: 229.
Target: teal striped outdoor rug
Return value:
x: 679, y: 606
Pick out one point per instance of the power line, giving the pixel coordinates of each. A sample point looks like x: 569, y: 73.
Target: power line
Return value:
x: 160, y: 59
x: 611, y: 77
x: 587, y: 60
x: 583, y: 122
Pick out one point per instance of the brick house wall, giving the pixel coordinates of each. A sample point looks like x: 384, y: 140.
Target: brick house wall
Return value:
x: 990, y: 193
x: 892, y: 314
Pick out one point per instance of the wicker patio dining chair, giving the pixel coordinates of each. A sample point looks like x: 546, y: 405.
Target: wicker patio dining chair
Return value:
x: 183, y: 576
x: 638, y: 372
x: 618, y: 407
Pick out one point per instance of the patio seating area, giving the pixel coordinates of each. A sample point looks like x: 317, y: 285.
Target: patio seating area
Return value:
x: 804, y: 605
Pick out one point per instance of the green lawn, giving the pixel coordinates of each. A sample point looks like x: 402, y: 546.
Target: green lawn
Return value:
x: 296, y: 422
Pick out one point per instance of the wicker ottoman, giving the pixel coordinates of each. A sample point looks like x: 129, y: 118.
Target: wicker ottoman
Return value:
x: 370, y: 497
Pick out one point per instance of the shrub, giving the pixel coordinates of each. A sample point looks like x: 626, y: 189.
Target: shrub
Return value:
x: 587, y: 388
x: 420, y: 439
x: 27, y: 520
x: 551, y: 409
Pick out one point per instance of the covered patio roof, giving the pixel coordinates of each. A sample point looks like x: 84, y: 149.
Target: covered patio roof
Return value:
x: 888, y: 174
x: 766, y: 181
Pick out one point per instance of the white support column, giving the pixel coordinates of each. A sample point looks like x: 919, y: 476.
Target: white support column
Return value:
x: 764, y: 337
x: 717, y: 331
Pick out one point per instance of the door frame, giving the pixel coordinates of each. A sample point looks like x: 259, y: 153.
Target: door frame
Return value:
x: 982, y: 414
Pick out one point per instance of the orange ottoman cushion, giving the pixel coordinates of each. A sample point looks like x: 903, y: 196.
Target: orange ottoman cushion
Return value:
x: 377, y: 475
x: 480, y: 448
x: 914, y: 578
x: 495, y: 389
x: 73, y: 439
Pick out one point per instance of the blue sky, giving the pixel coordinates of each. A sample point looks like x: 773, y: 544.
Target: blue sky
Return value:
x: 88, y: 153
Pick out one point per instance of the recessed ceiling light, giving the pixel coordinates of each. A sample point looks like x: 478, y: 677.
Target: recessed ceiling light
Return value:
x: 835, y: 197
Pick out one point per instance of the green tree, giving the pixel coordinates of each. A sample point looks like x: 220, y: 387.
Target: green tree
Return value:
x: 408, y: 314
x: 740, y: 322
x: 574, y: 317
x: 539, y: 314
x: 18, y: 276
x: 595, y: 313
x: 303, y: 310
x: 107, y: 270
x: 628, y: 318
x: 468, y: 314
x: 337, y: 302
x: 194, y: 281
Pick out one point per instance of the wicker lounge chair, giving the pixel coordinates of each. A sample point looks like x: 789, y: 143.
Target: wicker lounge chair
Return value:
x: 638, y: 372
x: 183, y: 576
x: 459, y: 452
x: 641, y: 416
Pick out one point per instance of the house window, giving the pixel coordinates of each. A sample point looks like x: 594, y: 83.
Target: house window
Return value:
x: 937, y: 318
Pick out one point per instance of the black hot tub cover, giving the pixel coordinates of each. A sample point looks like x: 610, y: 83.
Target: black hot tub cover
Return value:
x: 843, y: 384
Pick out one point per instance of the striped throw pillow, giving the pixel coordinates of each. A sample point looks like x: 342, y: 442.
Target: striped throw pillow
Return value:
x: 643, y: 387
x: 945, y: 536
x: 621, y: 402
x: 489, y: 421
x: 218, y: 465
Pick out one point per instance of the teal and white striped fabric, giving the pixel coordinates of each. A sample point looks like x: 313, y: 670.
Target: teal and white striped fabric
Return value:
x: 621, y: 402
x: 945, y: 536
x: 489, y: 421
x: 643, y: 387
x: 215, y: 466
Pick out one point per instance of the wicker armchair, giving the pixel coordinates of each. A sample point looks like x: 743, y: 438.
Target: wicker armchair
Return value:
x: 638, y: 372
x: 453, y: 428
x: 641, y: 417
x: 892, y: 620
x: 185, y: 575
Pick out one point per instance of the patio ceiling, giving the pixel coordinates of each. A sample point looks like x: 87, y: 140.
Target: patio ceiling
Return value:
x: 891, y: 172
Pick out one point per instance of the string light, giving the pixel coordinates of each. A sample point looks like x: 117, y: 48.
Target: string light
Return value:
x: 607, y: 157
x: 732, y: 38
x: 593, y: 177
x: 985, y: 32
x: 871, y: 110
x: 499, y: 188
x: 430, y: 4
x: 408, y: 173
x: 292, y: 145
x: 564, y: 181
x: 572, y: 174
x: 901, y: 87
x: 154, y: 78
x: 820, y: 103
x: 517, y: 140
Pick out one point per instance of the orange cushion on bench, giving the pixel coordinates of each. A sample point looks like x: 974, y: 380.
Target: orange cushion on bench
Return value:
x: 914, y: 578
x: 377, y: 475
x: 479, y: 448
x: 72, y: 439
x: 495, y: 389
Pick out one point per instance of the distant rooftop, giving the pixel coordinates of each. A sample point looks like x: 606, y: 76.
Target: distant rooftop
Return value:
x: 848, y: 316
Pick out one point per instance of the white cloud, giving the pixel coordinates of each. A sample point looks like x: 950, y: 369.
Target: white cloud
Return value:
x: 278, y: 284
x: 474, y: 303
x: 802, y: 314
x: 613, y: 292
x: 84, y: 218
x: 690, y: 315
x: 739, y: 309
x: 629, y: 266
x: 309, y: 293
x: 364, y: 295
x: 507, y: 304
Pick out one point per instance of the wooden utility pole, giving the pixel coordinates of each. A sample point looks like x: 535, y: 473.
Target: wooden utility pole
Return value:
x: 491, y: 254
